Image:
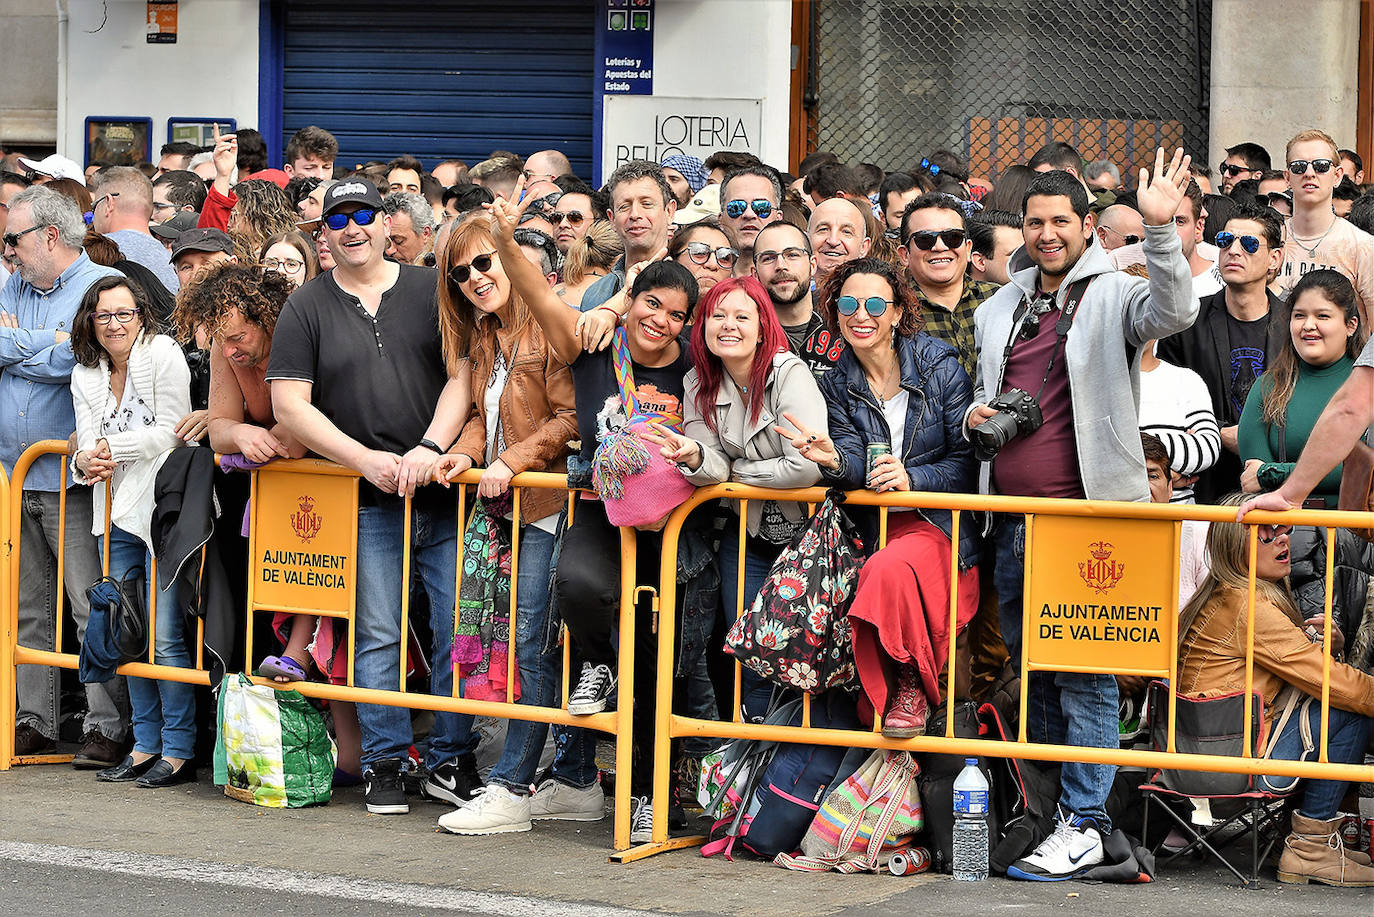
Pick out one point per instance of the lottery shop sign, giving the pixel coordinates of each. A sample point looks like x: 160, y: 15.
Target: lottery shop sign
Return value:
x: 305, y: 536
x: 1101, y: 594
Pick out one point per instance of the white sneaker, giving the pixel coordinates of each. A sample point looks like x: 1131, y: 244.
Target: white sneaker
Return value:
x: 641, y: 820
x: 595, y: 685
x: 561, y: 802
x: 1073, y: 849
x: 494, y: 810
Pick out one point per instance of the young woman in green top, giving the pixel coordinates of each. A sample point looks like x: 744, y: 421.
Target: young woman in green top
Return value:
x: 1324, y: 330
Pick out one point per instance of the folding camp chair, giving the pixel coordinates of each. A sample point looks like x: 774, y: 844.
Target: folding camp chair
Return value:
x: 1213, y: 726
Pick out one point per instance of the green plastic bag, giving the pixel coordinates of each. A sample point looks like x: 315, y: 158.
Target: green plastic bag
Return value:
x: 273, y: 749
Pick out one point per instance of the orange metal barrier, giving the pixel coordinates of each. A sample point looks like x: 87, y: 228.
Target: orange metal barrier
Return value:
x: 670, y: 725
x: 616, y: 723
x: 9, y: 629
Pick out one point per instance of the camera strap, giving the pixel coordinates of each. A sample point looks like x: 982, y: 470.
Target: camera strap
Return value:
x: 1073, y: 296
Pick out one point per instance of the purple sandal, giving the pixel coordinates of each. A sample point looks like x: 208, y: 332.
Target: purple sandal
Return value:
x: 282, y: 667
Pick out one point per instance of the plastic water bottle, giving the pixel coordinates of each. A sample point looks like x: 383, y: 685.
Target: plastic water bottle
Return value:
x: 970, y: 823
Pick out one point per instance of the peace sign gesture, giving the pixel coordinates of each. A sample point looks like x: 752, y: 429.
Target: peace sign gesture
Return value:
x: 506, y: 214
x: 1158, y: 196
x: 817, y: 447
x: 674, y: 446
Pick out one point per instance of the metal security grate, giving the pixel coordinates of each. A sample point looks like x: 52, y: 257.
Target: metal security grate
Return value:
x: 994, y: 80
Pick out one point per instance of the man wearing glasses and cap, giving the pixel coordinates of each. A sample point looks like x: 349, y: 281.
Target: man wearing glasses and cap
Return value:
x: 357, y: 376
x: 43, y: 240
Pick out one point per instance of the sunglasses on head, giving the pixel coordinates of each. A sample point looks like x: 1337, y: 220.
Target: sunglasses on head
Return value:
x: 930, y: 167
x: 461, y: 273
x: 762, y: 208
x: 1269, y: 533
x: 1227, y: 168
x: 1320, y: 166
x: 700, y: 253
x: 363, y: 216
x: 1225, y: 240
x: 574, y: 217
x: 873, y: 305
x: 924, y: 239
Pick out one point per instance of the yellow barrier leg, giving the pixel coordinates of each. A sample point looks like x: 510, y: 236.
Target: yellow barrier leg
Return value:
x: 9, y: 631
x: 625, y: 683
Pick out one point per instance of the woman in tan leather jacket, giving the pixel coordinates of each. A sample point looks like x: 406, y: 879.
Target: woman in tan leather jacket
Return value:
x: 1288, y: 675
x: 520, y: 419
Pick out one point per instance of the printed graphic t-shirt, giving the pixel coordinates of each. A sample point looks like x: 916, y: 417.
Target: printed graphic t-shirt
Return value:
x: 600, y: 411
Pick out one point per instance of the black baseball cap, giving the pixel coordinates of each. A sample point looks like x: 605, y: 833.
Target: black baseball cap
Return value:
x: 351, y: 191
x: 203, y: 239
x: 173, y: 228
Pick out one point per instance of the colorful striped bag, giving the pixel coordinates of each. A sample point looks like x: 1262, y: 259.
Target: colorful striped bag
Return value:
x: 864, y: 820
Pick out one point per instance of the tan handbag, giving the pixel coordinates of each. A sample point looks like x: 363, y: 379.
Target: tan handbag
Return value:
x: 1357, y: 485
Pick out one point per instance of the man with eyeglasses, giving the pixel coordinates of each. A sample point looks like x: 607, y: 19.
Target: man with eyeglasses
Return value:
x: 122, y: 210
x: 782, y: 263
x: 750, y: 199
x: 1315, y: 236
x: 1066, y: 332
x: 642, y: 208
x: 1239, y: 332
x: 43, y: 239
x: 177, y: 192
x: 1243, y: 161
x: 936, y: 249
x: 358, y: 377
x: 542, y: 171
x: 1119, y: 225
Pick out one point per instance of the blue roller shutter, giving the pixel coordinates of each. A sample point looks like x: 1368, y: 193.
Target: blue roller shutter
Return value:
x: 441, y: 78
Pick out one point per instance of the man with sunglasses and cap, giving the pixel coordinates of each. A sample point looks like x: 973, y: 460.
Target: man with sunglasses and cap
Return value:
x: 357, y: 376
x: 750, y: 199
x: 1239, y: 332
x: 1316, y: 237
x: 1063, y: 337
x: 936, y: 249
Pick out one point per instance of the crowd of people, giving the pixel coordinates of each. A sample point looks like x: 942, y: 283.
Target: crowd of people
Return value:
x: 1049, y: 333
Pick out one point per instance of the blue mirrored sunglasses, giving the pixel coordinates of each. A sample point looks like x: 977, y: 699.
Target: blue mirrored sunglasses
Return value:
x: 1226, y: 239
x: 761, y: 206
x: 363, y: 216
x: 873, y: 305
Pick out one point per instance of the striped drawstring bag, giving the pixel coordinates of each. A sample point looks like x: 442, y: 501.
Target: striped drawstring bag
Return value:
x: 864, y: 820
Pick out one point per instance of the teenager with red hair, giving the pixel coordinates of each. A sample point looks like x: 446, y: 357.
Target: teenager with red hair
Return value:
x: 743, y: 379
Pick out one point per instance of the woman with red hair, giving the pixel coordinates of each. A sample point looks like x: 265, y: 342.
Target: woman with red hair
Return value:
x: 744, y: 378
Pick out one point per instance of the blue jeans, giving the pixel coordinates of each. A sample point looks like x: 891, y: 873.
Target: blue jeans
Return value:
x: 377, y: 657
x: 1321, y: 799
x: 1062, y: 708
x: 538, y: 669
x: 755, y: 691
x: 164, y: 712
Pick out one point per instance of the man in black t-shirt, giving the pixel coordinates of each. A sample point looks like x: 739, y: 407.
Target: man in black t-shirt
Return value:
x: 783, y: 264
x: 356, y: 373
x: 1238, y: 333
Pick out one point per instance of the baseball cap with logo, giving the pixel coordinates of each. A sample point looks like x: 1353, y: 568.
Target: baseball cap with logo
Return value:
x: 203, y: 239
x: 351, y: 191
x: 55, y: 166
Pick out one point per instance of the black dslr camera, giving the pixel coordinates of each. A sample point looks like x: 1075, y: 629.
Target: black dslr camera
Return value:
x: 1018, y: 414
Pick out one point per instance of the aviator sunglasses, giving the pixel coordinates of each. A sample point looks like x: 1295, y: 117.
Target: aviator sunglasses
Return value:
x: 1225, y: 240
x: 762, y: 208
x: 873, y: 305
x: 700, y: 253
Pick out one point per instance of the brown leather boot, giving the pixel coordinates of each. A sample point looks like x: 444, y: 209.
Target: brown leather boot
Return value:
x: 907, y: 712
x: 1315, y: 852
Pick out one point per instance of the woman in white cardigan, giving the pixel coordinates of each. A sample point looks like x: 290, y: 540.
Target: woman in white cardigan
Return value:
x: 130, y: 388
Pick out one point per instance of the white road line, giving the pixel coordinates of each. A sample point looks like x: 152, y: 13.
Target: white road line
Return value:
x: 302, y: 883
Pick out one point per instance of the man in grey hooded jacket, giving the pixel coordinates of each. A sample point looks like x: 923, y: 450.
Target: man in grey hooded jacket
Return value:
x: 1068, y: 331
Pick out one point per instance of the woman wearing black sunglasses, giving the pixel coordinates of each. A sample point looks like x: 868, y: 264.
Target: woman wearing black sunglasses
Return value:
x: 901, y: 393
x: 704, y: 249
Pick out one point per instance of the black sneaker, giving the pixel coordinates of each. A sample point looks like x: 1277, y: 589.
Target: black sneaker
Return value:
x: 593, y: 690
x: 455, y: 781
x: 382, y: 790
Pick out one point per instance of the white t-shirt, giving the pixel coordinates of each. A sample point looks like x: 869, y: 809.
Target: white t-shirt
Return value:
x: 1345, y: 248
x: 894, y: 410
x: 496, y: 436
x: 1176, y: 406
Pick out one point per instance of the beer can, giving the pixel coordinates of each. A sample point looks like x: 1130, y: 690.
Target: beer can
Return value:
x: 1367, y: 835
x: 909, y: 862
x: 1350, y: 830
x: 872, y: 452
